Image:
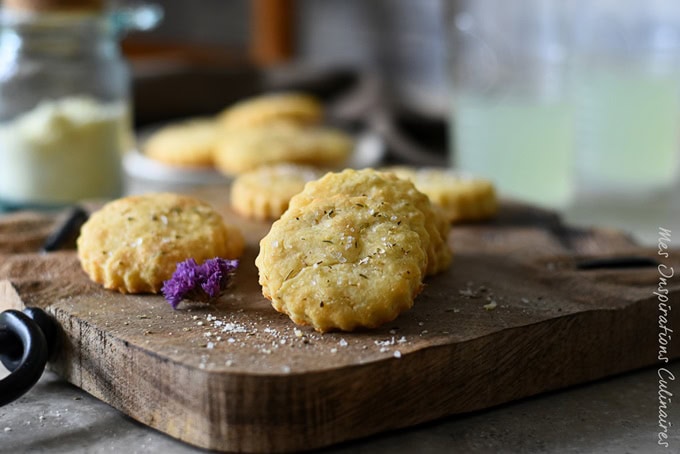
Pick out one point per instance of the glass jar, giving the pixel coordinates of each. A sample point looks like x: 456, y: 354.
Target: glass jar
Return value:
x: 512, y: 115
x: 626, y: 81
x: 64, y: 108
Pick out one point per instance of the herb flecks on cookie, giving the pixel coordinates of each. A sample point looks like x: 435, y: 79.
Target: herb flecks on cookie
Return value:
x: 352, y: 251
x: 133, y: 244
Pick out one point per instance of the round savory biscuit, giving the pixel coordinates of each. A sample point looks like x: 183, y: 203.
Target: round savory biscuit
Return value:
x: 400, y: 193
x: 295, y: 108
x: 461, y: 197
x: 341, y: 263
x: 248, y: 149
x: 133, y: 244
x: 264, y: 193
x: 188, y: 144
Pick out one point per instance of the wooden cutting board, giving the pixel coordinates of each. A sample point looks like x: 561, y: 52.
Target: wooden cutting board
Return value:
x: 513, y: 317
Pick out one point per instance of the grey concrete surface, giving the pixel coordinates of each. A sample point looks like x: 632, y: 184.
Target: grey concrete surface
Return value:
x: 617, y: 415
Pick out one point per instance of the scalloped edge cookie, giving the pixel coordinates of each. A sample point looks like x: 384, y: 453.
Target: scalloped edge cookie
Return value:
x: 341, y: 263
x: 461, y: 197
x: 133, y: 244
x: 264, y: 193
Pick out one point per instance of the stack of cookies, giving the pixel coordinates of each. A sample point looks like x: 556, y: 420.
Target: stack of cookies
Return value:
x: 352, y: 251
x: 270, y: 129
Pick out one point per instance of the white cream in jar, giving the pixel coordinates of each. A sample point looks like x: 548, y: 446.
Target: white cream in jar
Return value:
x: 63, y: 151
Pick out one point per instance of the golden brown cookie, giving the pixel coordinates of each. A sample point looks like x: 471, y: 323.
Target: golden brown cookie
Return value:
x: 133, y: 244
x: 241, y: 151
x: 264, y: 193
x: 341, y: 263
x: 461, y: 197
x: 189, y: 144
x: 295, y: 108
x: 405, y: 199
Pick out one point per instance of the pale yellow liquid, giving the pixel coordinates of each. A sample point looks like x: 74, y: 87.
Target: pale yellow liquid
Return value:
x: 524, y: 147
x: 628, y: 129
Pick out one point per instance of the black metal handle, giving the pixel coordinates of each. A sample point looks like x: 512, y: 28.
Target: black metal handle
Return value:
x: 27, y: 340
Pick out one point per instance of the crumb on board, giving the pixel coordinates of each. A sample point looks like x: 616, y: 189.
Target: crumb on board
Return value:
x: 490, y: 306
x: 468, y: 293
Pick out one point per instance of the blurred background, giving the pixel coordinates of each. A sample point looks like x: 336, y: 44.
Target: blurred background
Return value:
x: 402, y: 39
x: 379, y: 62
x: 573, y: 105
x: 570, y: 105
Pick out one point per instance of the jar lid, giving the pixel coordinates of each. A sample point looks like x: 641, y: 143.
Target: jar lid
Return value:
x: 54, y: 5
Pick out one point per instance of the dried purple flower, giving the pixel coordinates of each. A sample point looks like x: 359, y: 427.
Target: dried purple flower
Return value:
x: 195, y: 282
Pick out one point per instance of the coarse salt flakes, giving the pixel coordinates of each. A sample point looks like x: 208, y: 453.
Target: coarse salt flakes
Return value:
x: 343, y: 343
x: 397, y: 354
x: 385, y: 342
x: 233, y: 328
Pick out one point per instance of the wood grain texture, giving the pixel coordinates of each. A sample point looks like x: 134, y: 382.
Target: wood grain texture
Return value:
x: 237, y: 376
